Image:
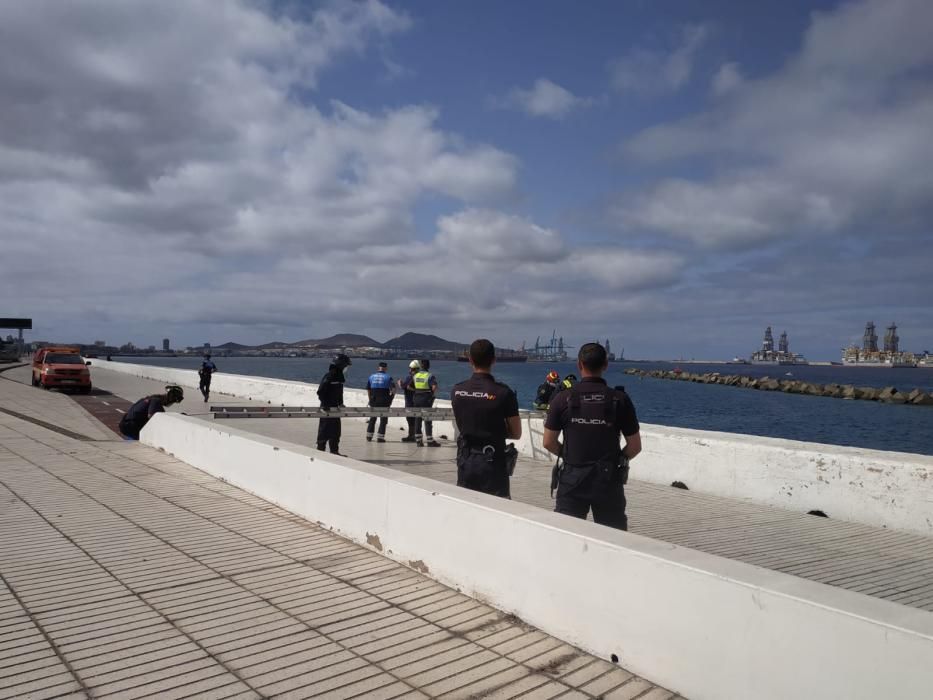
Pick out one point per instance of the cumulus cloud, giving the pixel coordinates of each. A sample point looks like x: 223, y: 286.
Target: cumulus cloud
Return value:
x: 174, y: 166
x: 543, y: 99
x: 726, y: 79
x: 655, y: 71
x: 837, y: 139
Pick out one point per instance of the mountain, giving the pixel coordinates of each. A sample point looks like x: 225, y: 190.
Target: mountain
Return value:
x: 277, y: 345
x: 341, y: 340
x: 420, y: 341
x: 231, y: 346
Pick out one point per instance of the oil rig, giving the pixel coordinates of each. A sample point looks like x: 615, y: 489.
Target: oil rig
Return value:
x: 782, y: 356
x: 870, y: 356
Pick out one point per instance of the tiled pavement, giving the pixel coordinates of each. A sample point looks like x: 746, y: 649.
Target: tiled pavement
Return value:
x: 125, y: 573
x: 896, y: 566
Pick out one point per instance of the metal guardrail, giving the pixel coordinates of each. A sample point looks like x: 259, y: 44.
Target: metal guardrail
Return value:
x: 433, y: 413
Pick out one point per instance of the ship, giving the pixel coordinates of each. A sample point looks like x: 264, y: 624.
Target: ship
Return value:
x: 502, y: 355
x: 870, y: 356
x: 782, y: 356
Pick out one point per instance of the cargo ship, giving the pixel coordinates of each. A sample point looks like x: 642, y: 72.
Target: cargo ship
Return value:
x: 502, y: 355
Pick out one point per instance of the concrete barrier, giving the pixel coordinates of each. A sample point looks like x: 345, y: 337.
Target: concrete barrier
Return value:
x: 873, y: 487
x: 701, y: 625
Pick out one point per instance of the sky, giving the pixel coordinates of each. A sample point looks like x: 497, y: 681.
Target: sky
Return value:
x: 673, y: 176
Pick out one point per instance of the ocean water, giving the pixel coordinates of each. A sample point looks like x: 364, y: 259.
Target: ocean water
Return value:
x: 680, y: 404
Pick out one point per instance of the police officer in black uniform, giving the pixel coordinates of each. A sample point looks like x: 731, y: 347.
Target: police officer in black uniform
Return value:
x: 330, y: 392
x: 486, y: 413
x: 592, y: 416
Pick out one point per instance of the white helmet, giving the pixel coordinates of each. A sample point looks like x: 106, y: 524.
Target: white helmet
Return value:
x: 414, y: 364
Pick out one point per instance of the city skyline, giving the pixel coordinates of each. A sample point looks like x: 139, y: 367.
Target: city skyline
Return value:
x: 673, y: 177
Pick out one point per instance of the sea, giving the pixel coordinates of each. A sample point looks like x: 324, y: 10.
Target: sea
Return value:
x: 681, y: 404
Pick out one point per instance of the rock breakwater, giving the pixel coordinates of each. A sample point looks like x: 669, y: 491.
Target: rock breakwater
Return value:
x: 794, y: 386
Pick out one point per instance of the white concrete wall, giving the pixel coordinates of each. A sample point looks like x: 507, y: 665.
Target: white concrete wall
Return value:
x: 275, y: 392
x: 885, y: 489
x: 700, y: 625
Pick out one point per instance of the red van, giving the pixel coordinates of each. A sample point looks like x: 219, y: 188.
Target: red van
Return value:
x: 60, y: 367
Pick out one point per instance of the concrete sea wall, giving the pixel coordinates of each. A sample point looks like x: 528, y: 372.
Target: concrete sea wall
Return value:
x: 700, y: 625
x: 884, y: 489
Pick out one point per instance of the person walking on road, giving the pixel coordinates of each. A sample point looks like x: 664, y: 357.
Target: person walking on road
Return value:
x: 486, y: 413
x: 206, y: 372
x: 135, y: 419
x: 425, y: 389
x: 407, y: 385
x: 330, y: 392
x: 592, y: 417
x: 381, y: 390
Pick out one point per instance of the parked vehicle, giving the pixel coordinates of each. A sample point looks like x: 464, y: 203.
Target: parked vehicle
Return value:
x: 9, y: 352
x: 61, y: 367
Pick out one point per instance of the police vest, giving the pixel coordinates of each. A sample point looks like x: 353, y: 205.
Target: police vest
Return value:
x: 422, y: 381
x: 590, y: 432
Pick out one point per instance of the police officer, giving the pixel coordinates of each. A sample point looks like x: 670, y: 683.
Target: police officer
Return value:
x: 486, y: 413
x: 425, y: 387
x: 381, y: 389
x: 407, y: 385
x: 592, y: 416
x: 330, y: 392
x: 206, y: 372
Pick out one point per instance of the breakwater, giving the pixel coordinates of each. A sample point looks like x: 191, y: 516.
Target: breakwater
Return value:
x: 889, y: 394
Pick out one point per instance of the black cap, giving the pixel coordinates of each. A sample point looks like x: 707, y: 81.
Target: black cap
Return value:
x: 383, y: 364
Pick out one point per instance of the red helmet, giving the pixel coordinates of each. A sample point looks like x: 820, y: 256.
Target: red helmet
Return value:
x: 552, y: 376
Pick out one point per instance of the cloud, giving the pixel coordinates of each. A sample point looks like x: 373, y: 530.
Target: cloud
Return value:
x: 837, y: 140
x: 654, y: 72
x: 544, y: 99
x: 173, y: 166
x: 726, y: 79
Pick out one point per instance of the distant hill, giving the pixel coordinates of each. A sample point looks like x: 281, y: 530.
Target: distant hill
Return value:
x: 341, y: 340
x: 231, y: 346
x: 277, y: 345
x: 420, y: 341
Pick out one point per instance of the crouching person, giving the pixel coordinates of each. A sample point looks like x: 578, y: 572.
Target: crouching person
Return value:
x: 140, y: 412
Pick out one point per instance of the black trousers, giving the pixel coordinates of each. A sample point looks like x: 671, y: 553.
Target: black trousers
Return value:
x: 428, y: 425
x: 205, y: 385
x: 474, y: 472
x: 581, y: 489
x: 383, y: 422
x: 328, y: 434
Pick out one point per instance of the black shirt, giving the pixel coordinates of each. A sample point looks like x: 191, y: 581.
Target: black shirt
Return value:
x: 139, y: 414
x: 330, y: 391
x: 591, y: 431
x: 481, y: 406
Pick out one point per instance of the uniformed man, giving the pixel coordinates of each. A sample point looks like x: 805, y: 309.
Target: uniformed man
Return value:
x: 486, y: 413
x: 381, y: 389
x: 425, y: 388
x: 330, y: 392
x: 546, y: 391
x: 407, y: 385
x: 205, y: 373
x: 592, y: 416
x: 139, y: 413
x: 568, y: 382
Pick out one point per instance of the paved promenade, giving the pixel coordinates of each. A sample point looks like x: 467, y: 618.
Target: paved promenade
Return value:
x: 896, y: 566
x: 125, y: 573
